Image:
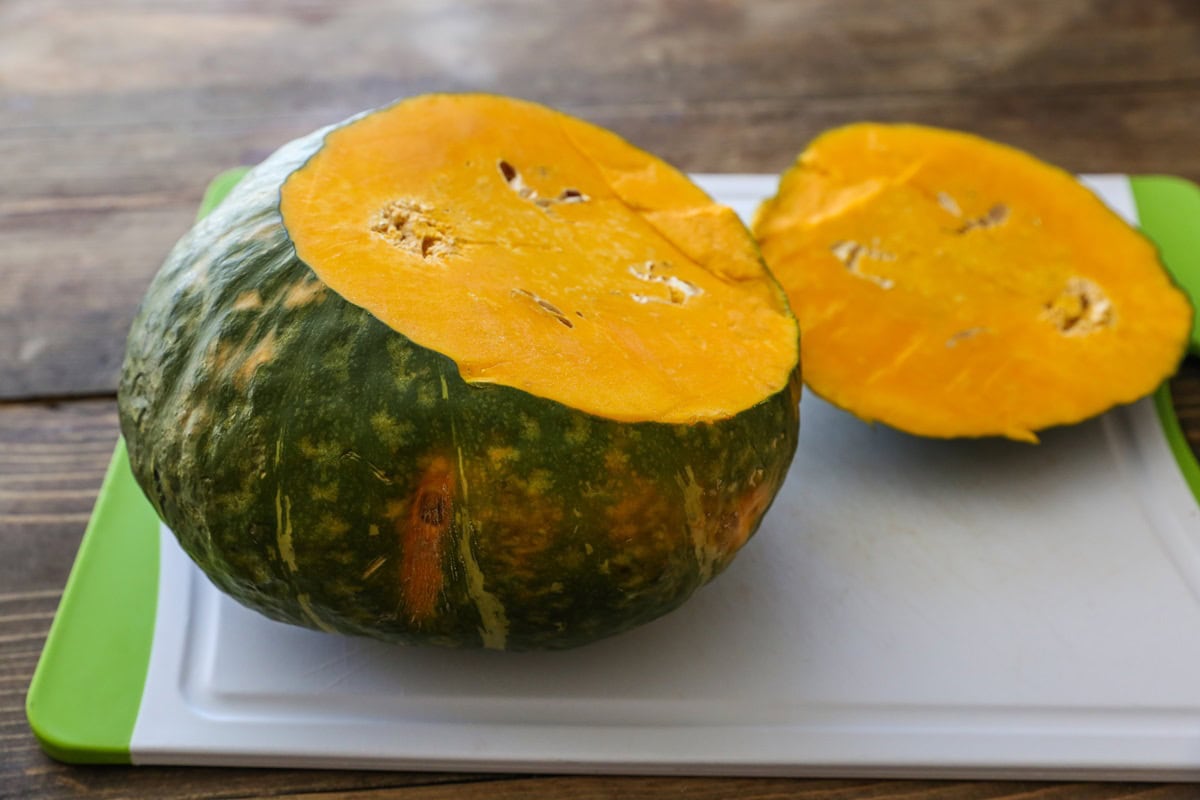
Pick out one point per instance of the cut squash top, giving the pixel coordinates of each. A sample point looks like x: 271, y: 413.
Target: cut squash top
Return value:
x: 541, y: 252
x: 950, y: 286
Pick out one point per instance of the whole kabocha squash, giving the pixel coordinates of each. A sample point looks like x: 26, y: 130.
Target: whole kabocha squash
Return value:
x: 951, y: 286
x: 463, y: 371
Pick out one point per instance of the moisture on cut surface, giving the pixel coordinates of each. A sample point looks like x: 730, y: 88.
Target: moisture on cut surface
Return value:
x: 542, y: 253
x: 950, y: 286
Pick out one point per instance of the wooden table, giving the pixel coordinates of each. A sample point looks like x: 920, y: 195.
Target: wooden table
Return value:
x: 114, y: 115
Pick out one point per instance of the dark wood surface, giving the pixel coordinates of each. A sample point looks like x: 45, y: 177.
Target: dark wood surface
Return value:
x: 115, y: 114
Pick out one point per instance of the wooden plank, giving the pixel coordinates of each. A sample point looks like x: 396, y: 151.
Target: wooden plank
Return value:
x: 637, y: 788
x: 180, y: 62
x: 88, y: 231
x: 52, y: 460
x: 42, y: 779
x: 116, y: 114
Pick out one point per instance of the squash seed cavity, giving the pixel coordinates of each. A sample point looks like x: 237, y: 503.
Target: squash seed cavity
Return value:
x: 409, y: 226
x: 1080, y: 308
x: 675, y: 290
x: 526, y: 192
x: 851, y: 254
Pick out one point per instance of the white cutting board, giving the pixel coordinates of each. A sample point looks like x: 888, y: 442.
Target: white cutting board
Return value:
x: 910, y: 607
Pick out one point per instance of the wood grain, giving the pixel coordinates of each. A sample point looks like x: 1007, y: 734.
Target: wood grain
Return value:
x: 632, y: 788
x: 115, y: 114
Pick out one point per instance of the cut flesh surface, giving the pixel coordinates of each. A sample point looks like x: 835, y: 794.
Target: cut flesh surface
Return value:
x: 951, y: 286
x: 543, y: 253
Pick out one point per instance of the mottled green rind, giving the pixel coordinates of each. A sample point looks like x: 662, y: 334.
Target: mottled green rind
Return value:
x: 291, y: 484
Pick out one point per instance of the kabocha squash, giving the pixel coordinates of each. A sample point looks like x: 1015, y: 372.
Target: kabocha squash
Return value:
x: 950, y: 286
x: 463, y: 371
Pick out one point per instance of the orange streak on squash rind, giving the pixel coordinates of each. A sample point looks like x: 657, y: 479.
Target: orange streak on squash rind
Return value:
x: 423, y: 537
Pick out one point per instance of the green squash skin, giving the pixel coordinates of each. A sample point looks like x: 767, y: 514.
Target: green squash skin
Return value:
x: 283, y: 434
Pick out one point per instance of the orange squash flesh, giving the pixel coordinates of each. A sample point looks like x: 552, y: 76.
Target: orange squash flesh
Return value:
x: 533, y: 248
x: 950, y: 286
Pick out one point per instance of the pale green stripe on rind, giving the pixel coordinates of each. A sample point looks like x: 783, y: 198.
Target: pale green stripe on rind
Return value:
x: 493, y: 621
x: 693, y: 506
x: 1169, y: 213
x: 84, y: 700
x: 283, y: 529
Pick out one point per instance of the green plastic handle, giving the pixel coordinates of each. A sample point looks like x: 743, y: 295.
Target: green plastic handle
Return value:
x: 1169, y: 211
x: 85, y: 695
